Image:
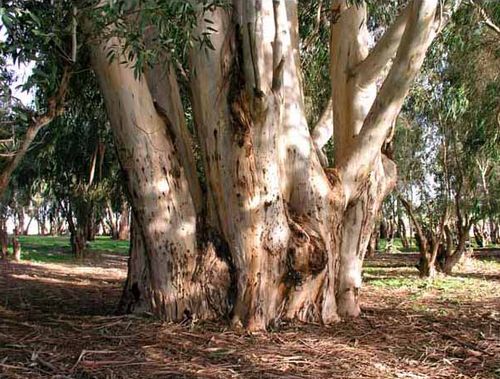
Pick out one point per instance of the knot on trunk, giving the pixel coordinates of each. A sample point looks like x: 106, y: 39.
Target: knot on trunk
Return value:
x: 307, y: 253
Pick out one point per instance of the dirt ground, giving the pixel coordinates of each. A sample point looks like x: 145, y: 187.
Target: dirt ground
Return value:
x: 56, y: 321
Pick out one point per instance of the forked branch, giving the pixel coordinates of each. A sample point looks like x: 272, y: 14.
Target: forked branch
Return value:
x: 372, y: 66
x: 419, y: 32
x: 55, y: 107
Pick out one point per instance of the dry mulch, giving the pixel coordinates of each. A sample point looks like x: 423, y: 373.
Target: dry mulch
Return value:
x: 56, y: 321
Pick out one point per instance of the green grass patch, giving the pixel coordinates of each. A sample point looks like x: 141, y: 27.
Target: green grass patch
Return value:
x: 50, y: 249
x: 102, y: 243
x: 440, y: 283
x: 397, y: 245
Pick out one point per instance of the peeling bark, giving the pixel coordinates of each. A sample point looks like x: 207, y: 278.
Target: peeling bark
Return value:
x: 277, y: 235
x: 159, y: 193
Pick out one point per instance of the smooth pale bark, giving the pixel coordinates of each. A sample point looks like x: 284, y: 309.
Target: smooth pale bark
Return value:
x: 363, y: 120
x: 356, y: 163
x: 373, y: 65
x: 111, y: 221
x: 323, y: 132
x: 352, y: 100
x: 237, y: 106
x: 358, y: 223
x: 182, y: 279
x: 164, y: 89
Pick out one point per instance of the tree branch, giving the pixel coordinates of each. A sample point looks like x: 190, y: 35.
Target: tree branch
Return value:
x: 371, y: 67
x: 54, y: 108
x: 418, y: 35
x: 323, y: 131
x: 278, y: 57
x: 74, y: 43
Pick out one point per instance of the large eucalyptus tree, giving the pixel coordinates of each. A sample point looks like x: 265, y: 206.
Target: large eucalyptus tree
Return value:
x: 274, y: 234
x: 238, y: 213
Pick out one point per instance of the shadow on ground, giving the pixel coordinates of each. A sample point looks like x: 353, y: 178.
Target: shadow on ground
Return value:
x: 56, y: 320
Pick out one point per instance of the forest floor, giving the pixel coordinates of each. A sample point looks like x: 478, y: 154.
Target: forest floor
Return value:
x: 56, y: 321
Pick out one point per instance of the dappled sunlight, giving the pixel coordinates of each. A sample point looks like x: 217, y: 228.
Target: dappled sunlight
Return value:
x: 409, y: 328
x: 51, y: 280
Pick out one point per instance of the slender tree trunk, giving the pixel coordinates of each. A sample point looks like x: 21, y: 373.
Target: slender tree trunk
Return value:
x: 4, y: 238
x: 89, y: 227
x: 52, y: 223
x: 374, y: 242
x: 384, y: 228
x: 112, y: 222
x: 495, y: 231
x: 77, y: 234
x: 40, y: 220
x: 124, y: 228
x: 479, y: 236
x: 403, y: 234
x: 20, y: 220
x: 428, y: 242
x: 16, y: 246
x: 391, y: 231
x: 25, y: 231
x: 43, y: 224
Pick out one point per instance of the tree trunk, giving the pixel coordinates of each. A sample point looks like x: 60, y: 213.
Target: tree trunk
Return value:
x: 391, y: 231
x: 403, y: 234
x: 373, y: 243
x: 428, y: 242
x: 173, y: 272
x: 16, y: 246
x: 276, y: 236
x: 77, y: 233
x: 26, y: 230
x: 52, y: 223
x: 41, y: 220
x: 112, y: 222
x: 4, y: 238
x: 494, y: 231
x: 384, y: 228
x: 478, y: 236
x: 453, y: 259
x: 124, y: 228
x: 20, y: 220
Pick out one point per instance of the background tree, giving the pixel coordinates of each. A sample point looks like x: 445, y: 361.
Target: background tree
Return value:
x: 457, y: 167
x: 76, y: 162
